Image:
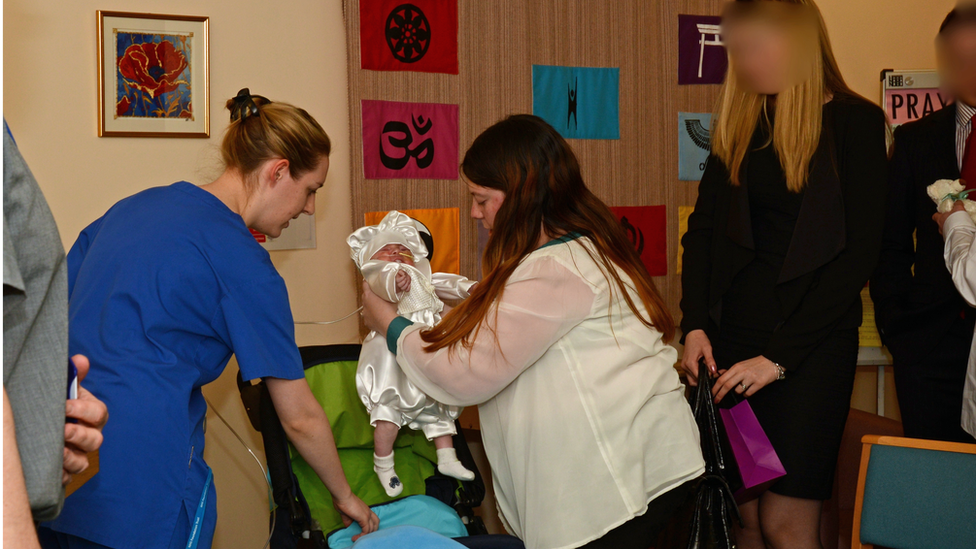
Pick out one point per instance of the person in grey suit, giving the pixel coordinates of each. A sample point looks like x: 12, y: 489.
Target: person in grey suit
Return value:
x: 40, y: 450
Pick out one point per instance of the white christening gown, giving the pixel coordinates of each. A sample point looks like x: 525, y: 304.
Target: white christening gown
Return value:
x: 384, y: 389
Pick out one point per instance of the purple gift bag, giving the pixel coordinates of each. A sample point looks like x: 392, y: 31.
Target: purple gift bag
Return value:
x: 758, y: 463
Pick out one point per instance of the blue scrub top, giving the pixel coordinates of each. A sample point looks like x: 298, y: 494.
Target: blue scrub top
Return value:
x: 163, y: 289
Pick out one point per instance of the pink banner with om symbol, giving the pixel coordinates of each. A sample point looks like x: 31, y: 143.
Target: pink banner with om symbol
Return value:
x: 410, y: 140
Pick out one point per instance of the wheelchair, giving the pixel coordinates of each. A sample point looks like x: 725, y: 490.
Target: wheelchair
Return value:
x: 304, y: 516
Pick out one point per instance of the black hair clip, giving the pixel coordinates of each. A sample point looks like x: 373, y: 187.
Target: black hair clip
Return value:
x: 244, y: 106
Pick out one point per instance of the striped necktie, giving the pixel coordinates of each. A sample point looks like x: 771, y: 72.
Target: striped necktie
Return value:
x: 968, y: 172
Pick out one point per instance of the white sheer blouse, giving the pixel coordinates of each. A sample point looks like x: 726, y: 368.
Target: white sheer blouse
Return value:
x: 582, y: 413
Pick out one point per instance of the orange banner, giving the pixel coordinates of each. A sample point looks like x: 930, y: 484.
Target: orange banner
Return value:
x: 443, y: 224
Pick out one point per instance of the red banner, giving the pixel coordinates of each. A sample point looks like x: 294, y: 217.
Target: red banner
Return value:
x: 420, y: 36
x: 646, y: 227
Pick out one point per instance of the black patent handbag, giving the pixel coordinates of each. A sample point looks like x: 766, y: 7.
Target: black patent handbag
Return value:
x: 714, y: 508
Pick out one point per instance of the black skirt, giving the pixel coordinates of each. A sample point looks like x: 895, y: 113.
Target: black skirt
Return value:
x: 803, y: 415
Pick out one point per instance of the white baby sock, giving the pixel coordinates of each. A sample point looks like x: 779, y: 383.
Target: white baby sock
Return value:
x: 448, y: 464
x: 388, y: 477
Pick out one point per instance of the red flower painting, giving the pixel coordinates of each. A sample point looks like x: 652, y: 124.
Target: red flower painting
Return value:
x: 153, y: 76
x: 154, y: 68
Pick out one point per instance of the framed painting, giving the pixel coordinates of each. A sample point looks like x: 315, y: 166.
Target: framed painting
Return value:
x: 153, y: 75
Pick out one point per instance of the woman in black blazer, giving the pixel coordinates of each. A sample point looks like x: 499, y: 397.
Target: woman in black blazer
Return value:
x: 785, y: 233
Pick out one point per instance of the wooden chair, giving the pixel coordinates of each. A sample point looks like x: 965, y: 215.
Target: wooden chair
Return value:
x: 914, y: 493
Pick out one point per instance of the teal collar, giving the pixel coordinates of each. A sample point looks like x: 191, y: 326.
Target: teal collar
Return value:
x: 565, y: 238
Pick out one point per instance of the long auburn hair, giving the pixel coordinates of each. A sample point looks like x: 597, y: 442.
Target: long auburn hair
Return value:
x: 798, y: 110
x: 529, y: 161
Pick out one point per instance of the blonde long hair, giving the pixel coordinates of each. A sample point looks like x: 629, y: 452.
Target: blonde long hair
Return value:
x: 798, y: 110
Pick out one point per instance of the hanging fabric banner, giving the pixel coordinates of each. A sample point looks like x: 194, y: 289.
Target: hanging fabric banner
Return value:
x: 420, y: 36
x: 580, y: 102
x: 410, y: 140
x: 694, y: 144
x: 701, y: 52
x: 443, y: 224
x: 646, y: 226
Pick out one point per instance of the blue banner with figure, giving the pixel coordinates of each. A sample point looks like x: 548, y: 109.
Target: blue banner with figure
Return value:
x: 580, y: 102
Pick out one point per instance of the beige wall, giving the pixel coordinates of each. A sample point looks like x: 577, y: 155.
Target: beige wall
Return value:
x: 293, y: 51
x: 872, y: 35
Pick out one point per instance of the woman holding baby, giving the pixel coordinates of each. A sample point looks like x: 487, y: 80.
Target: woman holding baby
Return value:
x: 564, y: 347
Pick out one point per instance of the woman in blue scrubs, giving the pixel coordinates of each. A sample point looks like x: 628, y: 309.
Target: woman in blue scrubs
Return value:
x: 164, y: 288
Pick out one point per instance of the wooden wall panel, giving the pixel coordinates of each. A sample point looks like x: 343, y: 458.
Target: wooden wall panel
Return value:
x: 498, y: 42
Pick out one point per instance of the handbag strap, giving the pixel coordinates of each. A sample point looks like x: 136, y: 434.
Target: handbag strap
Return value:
x: 706, y: 415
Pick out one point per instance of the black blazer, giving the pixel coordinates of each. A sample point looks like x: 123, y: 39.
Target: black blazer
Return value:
x: 835, y: 243
x: 914, y: 310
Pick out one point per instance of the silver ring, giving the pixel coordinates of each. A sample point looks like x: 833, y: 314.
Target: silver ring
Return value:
x: 744, y: 386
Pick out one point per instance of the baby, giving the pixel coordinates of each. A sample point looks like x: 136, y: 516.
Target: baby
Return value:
x: 392, y: 257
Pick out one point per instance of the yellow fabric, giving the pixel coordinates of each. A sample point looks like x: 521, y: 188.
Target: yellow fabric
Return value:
x: 443, y: 226
x: 868, y: 331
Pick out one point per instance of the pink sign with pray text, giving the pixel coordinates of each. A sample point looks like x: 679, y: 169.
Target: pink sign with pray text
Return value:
x: 410, y: 140
x: 905, y: 105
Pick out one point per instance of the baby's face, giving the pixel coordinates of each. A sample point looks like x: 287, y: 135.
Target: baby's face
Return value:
x: 395, y: 253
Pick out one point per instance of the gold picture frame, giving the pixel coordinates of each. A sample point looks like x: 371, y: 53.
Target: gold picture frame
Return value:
x: 153, y: 75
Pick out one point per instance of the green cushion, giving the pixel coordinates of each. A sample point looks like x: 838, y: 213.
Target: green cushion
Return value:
x: 916, y: 498
x: 334, y: 386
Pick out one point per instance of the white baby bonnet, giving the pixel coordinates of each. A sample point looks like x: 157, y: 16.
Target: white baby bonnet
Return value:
x: 395, y: 228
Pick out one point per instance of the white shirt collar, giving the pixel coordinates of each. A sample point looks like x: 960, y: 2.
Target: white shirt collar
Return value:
x: 964, y: 113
